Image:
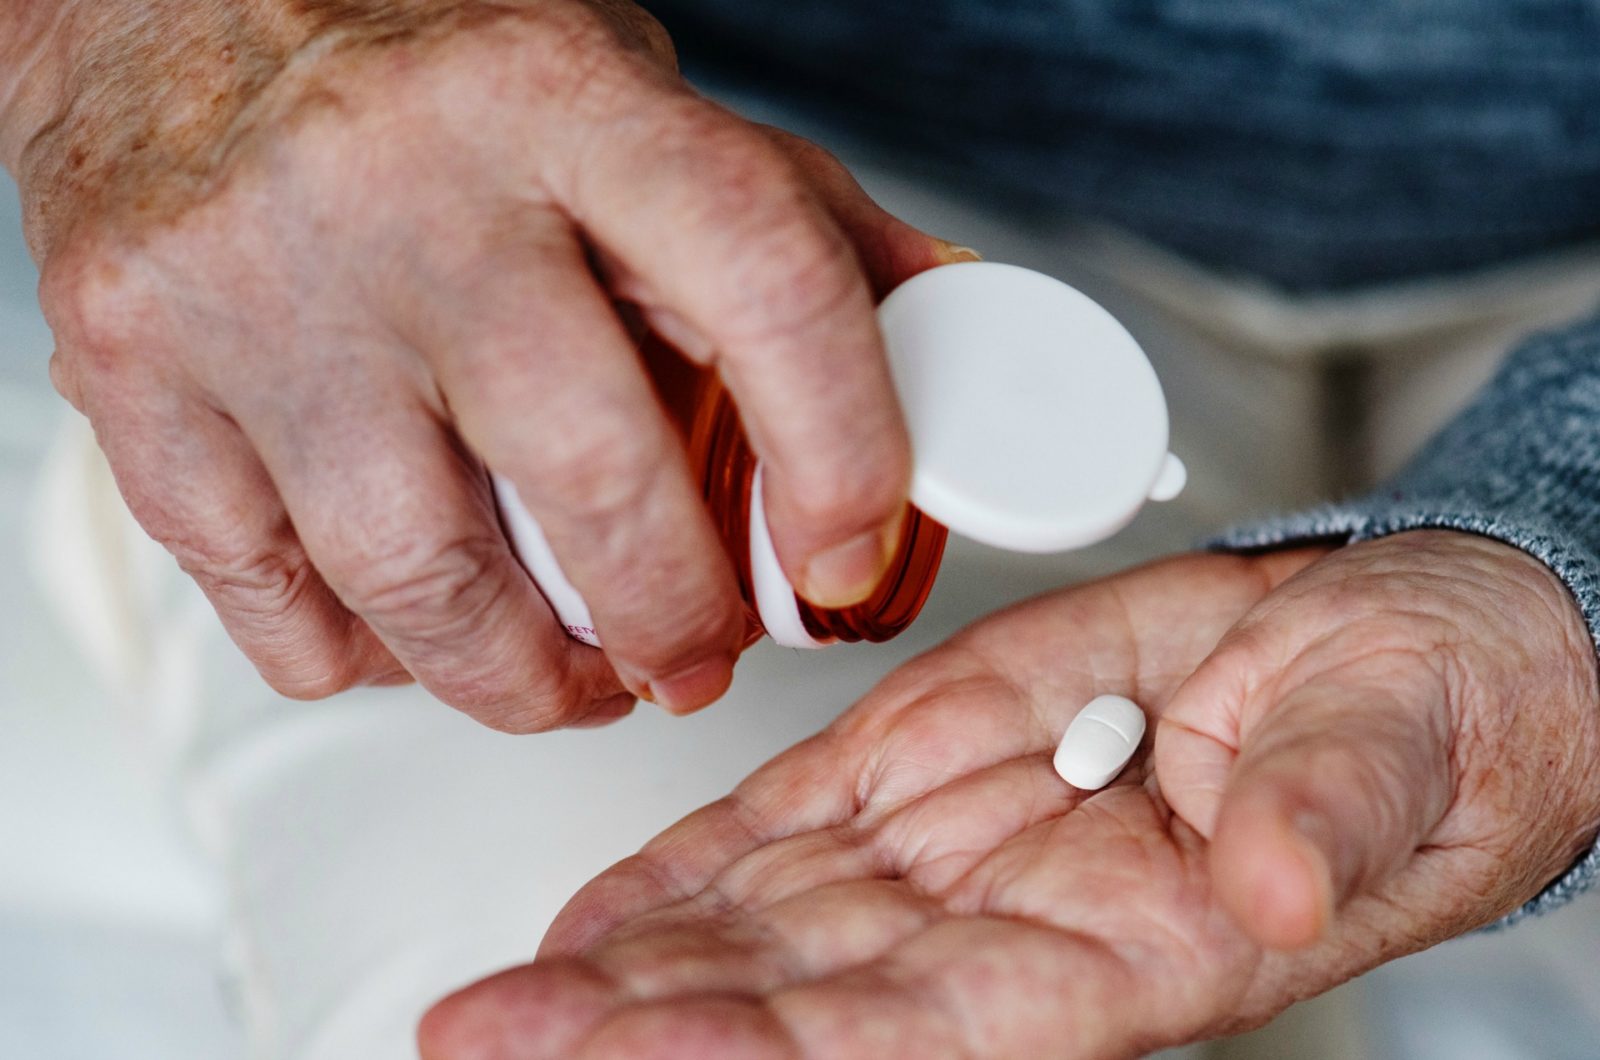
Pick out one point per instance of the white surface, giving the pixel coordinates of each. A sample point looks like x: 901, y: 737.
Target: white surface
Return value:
x: 108, y: 920
x: 80, y: 988
x: 1099, y: 743
x: 1037, y: 423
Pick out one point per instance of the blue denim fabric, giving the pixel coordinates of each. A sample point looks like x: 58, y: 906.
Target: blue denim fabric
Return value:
x: 1320, y: 144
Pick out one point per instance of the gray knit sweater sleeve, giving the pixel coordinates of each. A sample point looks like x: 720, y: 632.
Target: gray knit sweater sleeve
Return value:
x: 1521, y: 465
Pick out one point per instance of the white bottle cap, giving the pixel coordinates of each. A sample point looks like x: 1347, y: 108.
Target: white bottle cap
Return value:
x: 1037, y: 422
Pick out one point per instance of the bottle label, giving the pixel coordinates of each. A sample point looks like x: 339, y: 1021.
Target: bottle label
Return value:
x: 533, y: 549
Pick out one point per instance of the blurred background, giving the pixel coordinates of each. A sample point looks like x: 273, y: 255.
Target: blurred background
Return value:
x: 108, y: 918
x: 184, y: 854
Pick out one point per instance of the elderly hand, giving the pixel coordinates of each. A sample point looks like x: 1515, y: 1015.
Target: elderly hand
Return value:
x: 307, y: 263
x: 1357, y: 754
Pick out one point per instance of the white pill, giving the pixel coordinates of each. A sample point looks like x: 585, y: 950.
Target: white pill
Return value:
x: 1099, y: 742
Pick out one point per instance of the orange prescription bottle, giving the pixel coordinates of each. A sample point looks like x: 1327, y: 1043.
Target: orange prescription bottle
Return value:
x: 1037, y: 425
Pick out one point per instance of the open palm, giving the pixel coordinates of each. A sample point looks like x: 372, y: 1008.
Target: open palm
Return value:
x: 1328, y: 788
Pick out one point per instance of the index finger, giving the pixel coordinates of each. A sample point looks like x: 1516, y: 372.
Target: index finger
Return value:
x: 729, y: 234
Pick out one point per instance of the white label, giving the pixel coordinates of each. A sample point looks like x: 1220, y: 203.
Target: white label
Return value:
x: 533, y: 549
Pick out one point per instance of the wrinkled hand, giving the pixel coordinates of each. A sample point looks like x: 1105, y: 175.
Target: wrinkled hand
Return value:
x: 1357, y: 754
x: 307, y: 263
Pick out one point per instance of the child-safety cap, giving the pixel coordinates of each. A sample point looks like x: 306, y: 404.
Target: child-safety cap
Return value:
x: 1037, y: 422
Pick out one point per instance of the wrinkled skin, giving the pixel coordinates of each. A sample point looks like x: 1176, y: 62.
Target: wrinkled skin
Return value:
x: 308, y: 263
x: 1355, y: 755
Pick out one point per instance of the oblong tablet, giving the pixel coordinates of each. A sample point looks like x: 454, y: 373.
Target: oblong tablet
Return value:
x: 1099, y: 742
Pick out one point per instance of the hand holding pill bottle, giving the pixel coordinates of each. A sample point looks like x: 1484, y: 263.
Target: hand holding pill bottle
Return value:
x: 1037, y: 425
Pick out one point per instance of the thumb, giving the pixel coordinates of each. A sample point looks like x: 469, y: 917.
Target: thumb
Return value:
x: 891, y: 250
x: 1331, y: 785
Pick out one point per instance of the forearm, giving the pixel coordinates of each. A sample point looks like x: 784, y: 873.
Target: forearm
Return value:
x: 102, y: 90
x: 100, y: 93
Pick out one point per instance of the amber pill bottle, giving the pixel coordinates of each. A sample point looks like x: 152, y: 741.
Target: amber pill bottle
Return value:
x: 721, y: 457
x: 1037, y: 425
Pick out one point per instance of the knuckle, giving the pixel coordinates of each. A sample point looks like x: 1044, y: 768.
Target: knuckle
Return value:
x: 708, y: 618
x: 653, y: 37
x: 777, y: 232
x: 749, y: 196
x: 304, y: 685
x: 254, y: 580
x: 742, y: 177
x: 666, y: 613
x: 583, y: 61
x: 434, y: 590
x: 812, y: 278
x: 98, y: 301
x: 547, y: 699
x: 259, y: 592
x: 597, y: 468
x: 751, y: 182
x: 809, y: 157
x: 735, y: 187
x: 830, y: 495
x: 634, y: 27
x: 64, y: 378
x: 526, y: 719
x: 805, y: 275
x: 697, y: 629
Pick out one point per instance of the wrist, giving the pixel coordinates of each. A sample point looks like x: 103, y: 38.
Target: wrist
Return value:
x: 130, y: 107
x: 32, y: 36
x: 121, y: 94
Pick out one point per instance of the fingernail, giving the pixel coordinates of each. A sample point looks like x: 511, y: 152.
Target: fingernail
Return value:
x: 846, y: 574
x: 636, y: 683
x: 952, y: 254
x: 694, y: 687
